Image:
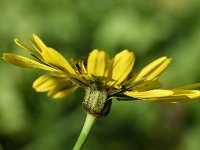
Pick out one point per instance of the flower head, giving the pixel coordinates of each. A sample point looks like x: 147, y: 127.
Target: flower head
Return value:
x: 101, y: 77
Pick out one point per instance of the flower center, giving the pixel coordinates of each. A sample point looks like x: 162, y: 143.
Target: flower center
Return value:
x: 96, y: 101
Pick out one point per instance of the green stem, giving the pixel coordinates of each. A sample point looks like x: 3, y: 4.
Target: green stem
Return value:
x: 89, y: 121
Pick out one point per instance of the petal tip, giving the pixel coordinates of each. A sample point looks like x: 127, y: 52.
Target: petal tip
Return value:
x: 16, y: 40
x: 34, y: 35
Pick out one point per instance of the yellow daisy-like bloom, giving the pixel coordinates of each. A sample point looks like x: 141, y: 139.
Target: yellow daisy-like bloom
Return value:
x: 101, y: 77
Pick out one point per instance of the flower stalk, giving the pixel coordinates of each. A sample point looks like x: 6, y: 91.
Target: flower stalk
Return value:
x: 89, y: 121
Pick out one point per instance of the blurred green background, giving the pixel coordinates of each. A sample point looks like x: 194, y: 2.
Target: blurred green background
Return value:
x: 152, y: 28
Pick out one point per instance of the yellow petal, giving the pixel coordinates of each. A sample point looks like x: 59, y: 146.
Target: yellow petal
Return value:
x: 22, y: 45
x: 56, y: 86
x: 39, y: 45
x: 158, y: 66
x: 148, y: 94
x: 25, y: 62
x: 53, y: 58
x: 155, y: 73
x: 34, y: 44
x: 37, y: 55
x: 189, y: 93
x: 63, y: 93
x: 191, y: 86
x: 60, y: 86
x: 170, y: 99
x: 45, y: 83
x: 47, y: 54
x: 97, y: 63
x: 178, y: 96
x: 121, y: 66
x: 147, y: 85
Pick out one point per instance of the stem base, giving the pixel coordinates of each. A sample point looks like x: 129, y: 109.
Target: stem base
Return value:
x: 89, y: 121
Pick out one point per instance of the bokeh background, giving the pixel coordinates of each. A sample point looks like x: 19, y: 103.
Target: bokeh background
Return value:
x: 153, y: 28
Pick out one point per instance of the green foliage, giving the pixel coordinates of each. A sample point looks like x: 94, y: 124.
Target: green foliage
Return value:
x: 32, y: 121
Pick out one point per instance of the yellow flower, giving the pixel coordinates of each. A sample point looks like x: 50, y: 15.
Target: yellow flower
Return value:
x: 101, y: 77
